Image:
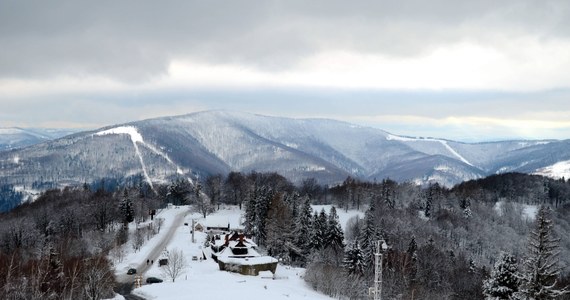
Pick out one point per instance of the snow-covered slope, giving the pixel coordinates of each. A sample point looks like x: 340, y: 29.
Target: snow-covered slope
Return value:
x: 557, y: 170
x: 214, y: 142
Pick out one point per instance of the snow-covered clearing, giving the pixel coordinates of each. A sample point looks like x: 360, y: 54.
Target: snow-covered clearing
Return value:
x: 203, y: 279
x: 528, y: 212
x: 557, y: 170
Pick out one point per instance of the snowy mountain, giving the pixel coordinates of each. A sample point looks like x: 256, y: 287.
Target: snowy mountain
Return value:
x: 14, y: 137
x: 214, y: 142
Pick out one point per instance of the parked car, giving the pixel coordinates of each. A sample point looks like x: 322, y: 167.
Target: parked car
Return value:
x: 131, y: 271
x: 153, y: 280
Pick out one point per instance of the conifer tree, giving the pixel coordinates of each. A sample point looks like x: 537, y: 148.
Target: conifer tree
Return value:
x: 334, y: 235
x: 354, y: 259
x: 127, y: 210
x: 320, y: 230
x: 303, y: 233
x: 250, y: 205
x: 369, y: 235
x: 541, y: 268
x: 411, y: 265
x: 278, y: 228
x: 504, y: 280
x: 261, y: 206
x: 429, y: 200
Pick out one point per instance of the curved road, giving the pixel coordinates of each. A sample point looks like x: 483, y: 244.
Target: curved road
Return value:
x: 125, y: 282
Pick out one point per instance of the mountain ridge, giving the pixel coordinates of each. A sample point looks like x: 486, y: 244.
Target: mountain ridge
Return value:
x: 199, y: 144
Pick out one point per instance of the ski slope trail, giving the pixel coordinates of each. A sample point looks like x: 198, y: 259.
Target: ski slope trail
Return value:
x: 137, y: 138
x: 444, y: 143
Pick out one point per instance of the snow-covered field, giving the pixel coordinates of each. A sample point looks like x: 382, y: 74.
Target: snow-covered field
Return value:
x: 557, y: 170
x: 203, y: 279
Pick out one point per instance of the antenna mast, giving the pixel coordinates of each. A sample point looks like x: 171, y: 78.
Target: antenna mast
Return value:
x: 377, y: 290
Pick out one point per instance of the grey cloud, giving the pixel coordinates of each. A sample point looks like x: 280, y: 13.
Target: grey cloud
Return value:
x: 136, y: 40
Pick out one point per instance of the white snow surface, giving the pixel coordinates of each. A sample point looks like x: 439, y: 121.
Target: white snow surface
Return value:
x: 129, y: 130
x: 204, y: 280
x: 392, y: 137
x: 528, y: 212
x: 557, y: 170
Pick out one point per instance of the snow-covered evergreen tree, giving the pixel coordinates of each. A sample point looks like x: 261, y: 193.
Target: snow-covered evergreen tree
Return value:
x: 541, y: 268
x: 256, y: 213
x: 278, y: 227
x: 127, y: 209
x: 354, y: 259
x: 334, y: 235
x: 320, y: 230
x: 249, y: 217
x: 303, y: 230
x: 261, y: 208
x: 429, y: 200
x: 504, y: 280
x: 369, y: 235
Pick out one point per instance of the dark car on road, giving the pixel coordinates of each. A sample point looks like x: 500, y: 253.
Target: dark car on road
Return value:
x: 153, y: 280
x: 131, y: 271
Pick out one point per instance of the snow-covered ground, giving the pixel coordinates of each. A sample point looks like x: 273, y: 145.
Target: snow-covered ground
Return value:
x: 528, y: 212
x: 133, y: 259
x: 557, y: 170
x: 203, y: 279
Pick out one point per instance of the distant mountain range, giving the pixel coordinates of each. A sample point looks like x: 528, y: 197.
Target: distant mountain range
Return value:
x: 15, y: 137
x: 199, y: 144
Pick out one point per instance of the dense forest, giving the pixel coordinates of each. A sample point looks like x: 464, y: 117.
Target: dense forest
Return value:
x: 476, y: 240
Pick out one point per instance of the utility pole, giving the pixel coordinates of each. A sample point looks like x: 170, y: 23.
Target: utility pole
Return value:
x: 380, y: 248
x: 192, y: 230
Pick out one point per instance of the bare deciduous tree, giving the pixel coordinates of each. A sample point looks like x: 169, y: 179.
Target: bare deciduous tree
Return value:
x: 98, y: 280
x: 176, y: 266
x: 138, y: 239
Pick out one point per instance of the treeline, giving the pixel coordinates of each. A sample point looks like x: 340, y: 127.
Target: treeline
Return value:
x: 9, y: 197
x: 441, y: 243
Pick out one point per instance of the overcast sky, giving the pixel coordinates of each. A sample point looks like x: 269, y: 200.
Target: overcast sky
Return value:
x: 464, y: 70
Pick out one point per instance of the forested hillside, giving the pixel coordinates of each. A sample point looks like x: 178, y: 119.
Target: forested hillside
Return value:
x: 442, y: 243
x: 218, y: 142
